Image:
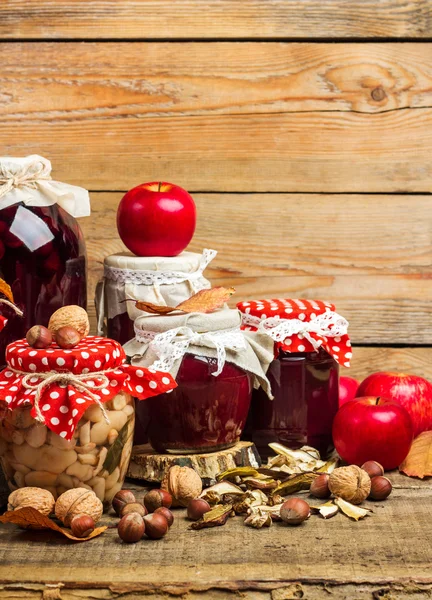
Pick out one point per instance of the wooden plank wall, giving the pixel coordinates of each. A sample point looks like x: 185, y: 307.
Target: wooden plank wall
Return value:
x: 303, y: 129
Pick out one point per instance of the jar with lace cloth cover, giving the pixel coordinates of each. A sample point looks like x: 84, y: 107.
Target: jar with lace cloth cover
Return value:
x: 162, y: 280
x: 310, y: 341
x: 67, y: 416
x: 215, y: 364
x: 42, y: 251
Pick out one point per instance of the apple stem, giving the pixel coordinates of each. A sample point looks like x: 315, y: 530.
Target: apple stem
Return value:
x: 377, y: 401
x: 159, y: 185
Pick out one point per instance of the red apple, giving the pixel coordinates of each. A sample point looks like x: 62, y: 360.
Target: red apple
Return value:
x: 156, y: 219
x: 372, y: 428
x: 347, y: 389
x: 412, y: 392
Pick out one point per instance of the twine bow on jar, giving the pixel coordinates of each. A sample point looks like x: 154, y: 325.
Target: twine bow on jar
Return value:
x: 24, y: 176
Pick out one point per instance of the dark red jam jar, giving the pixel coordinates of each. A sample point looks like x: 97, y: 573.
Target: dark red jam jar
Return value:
x: 42, y: 250
x: 310, y: 342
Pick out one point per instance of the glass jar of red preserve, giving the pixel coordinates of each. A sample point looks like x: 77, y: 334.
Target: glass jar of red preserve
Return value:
x: 42, y: 250
x: 215, y: 368
x: 310, y: 341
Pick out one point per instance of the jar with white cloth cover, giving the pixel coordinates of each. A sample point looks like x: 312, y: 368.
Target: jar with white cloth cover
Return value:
x: 310, y: 341
x: 161, y: 280
x: 42, y: 250
x: 216, y: 366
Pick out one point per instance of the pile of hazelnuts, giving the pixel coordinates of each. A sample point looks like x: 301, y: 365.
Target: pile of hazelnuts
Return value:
x: 40, y: 337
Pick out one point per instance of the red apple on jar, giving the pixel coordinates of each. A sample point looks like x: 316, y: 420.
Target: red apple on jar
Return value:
x: 412, y: 392
x: 372, y: 428
x: 156, y: 219
x: 348, y: 387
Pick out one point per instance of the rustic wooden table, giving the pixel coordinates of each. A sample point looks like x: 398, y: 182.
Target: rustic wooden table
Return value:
x: 387, y: 555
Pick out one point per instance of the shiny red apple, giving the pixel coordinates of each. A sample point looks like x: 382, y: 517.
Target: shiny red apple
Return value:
x: 347, y: 389
x: 156, y: 219
x: 372, y: 428
x: 412, y: 392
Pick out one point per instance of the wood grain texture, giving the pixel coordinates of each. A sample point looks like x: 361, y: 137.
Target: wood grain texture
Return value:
x: 214, y: 19
x: 302, y: 119
x: 369, y: 254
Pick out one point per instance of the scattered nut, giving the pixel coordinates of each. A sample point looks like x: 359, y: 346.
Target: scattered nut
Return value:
x: 183, y: 483
x: 120, y: 499
x: 166, y: 513
x: 320, y: 486
x: 67, y: 337
x: 381, y: 488
x: 39, y: 337
x: 133, y: 507
x: 76, y: 502
x: 131, y: 528
x: 197, y: 508
x: 71, y: 316
x: 82, y: 526
x: 157, y: 498
x: 350, y: 483
x: 294, y: 511
x: 156, y: 526
x: 41, y: 500
x: 373, y: 468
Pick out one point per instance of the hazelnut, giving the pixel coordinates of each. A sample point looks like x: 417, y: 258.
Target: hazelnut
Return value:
x: 319, y: 487
x: 381, y: 488
x: 120, y: 499
x: 162, y: 510
x: 183, y: 483
x: 294, y: 511
x: 41, y: 500
x: 76, y: 502
x: 157, y: 498
x: 71, y: 316
x: 156, y: 526
x: 131, y: 528
x: 350, y: 483
x: 197, y: 508
x: 67, y: 337
x: 39, y: 337
x: 373, y: 468
x: 133, y: 507
x: 82, y: 526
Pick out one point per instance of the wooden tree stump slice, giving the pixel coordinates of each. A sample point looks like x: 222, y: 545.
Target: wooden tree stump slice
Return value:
x: 148, y: 465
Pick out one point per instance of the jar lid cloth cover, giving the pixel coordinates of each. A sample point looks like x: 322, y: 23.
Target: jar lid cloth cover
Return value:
x: 28, y: 180
x: 62, y: 384
x: 299, y: 326
x: 162, y: 280
x: 162, y: 341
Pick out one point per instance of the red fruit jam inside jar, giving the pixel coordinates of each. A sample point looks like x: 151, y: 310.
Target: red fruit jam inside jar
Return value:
x: 204, y: 413
x: 42, y: 258
x: 306, y: 398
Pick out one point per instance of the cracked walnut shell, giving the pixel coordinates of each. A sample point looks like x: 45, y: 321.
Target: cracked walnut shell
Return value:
x: 350, y: 483
x: 78, y: 501
x: 41, y: 500
x: 183, y: 483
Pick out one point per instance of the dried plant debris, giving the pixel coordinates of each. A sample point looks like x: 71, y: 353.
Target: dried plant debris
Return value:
x: 204, y: 301
x: 418, y: 463
x: 216, y: 517
x: 234, y: 474
x: 258, y: 520
x: 327, y: 510
x: 296, y: 483
x: 351, y: 510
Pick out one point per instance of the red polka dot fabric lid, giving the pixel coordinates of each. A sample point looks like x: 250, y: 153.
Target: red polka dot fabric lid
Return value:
x: 298, y: 325
x: 62, y: 384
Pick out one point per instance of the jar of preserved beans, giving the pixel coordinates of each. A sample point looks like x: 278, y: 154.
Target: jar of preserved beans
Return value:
x: 67, y: 416
x: 216, y: 367
x: 42, y: 251
x: 161, y: 280
x: 310, y: 341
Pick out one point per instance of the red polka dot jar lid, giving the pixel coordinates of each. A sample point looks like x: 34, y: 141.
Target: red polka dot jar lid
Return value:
x: 298, y: 325
x: 61, y: 384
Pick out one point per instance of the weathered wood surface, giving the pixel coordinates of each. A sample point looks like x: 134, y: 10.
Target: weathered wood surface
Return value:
x: 371, y: 255
x: 390, y: 551
x: 223, y: 117
x: 215, y: 19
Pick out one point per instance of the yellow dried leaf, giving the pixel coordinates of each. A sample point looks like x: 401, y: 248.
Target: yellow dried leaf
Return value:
x: 351, y: 510
x: 418, y: 463
x: 30, y: 518
x: 206, y: 301
x: 5, y: 289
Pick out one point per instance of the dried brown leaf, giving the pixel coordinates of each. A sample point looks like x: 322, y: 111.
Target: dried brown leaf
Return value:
x: 206, y: 301
x: 418, y: 463
x: 6, y: 290
x: 30, y: 518
x: 154, y: 309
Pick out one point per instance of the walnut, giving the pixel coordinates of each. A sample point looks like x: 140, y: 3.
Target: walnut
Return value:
x: 350, y: 483
x: 70, y: 316
x: 41, y: 500
x: 183, y: 483
x: 78, y: 501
